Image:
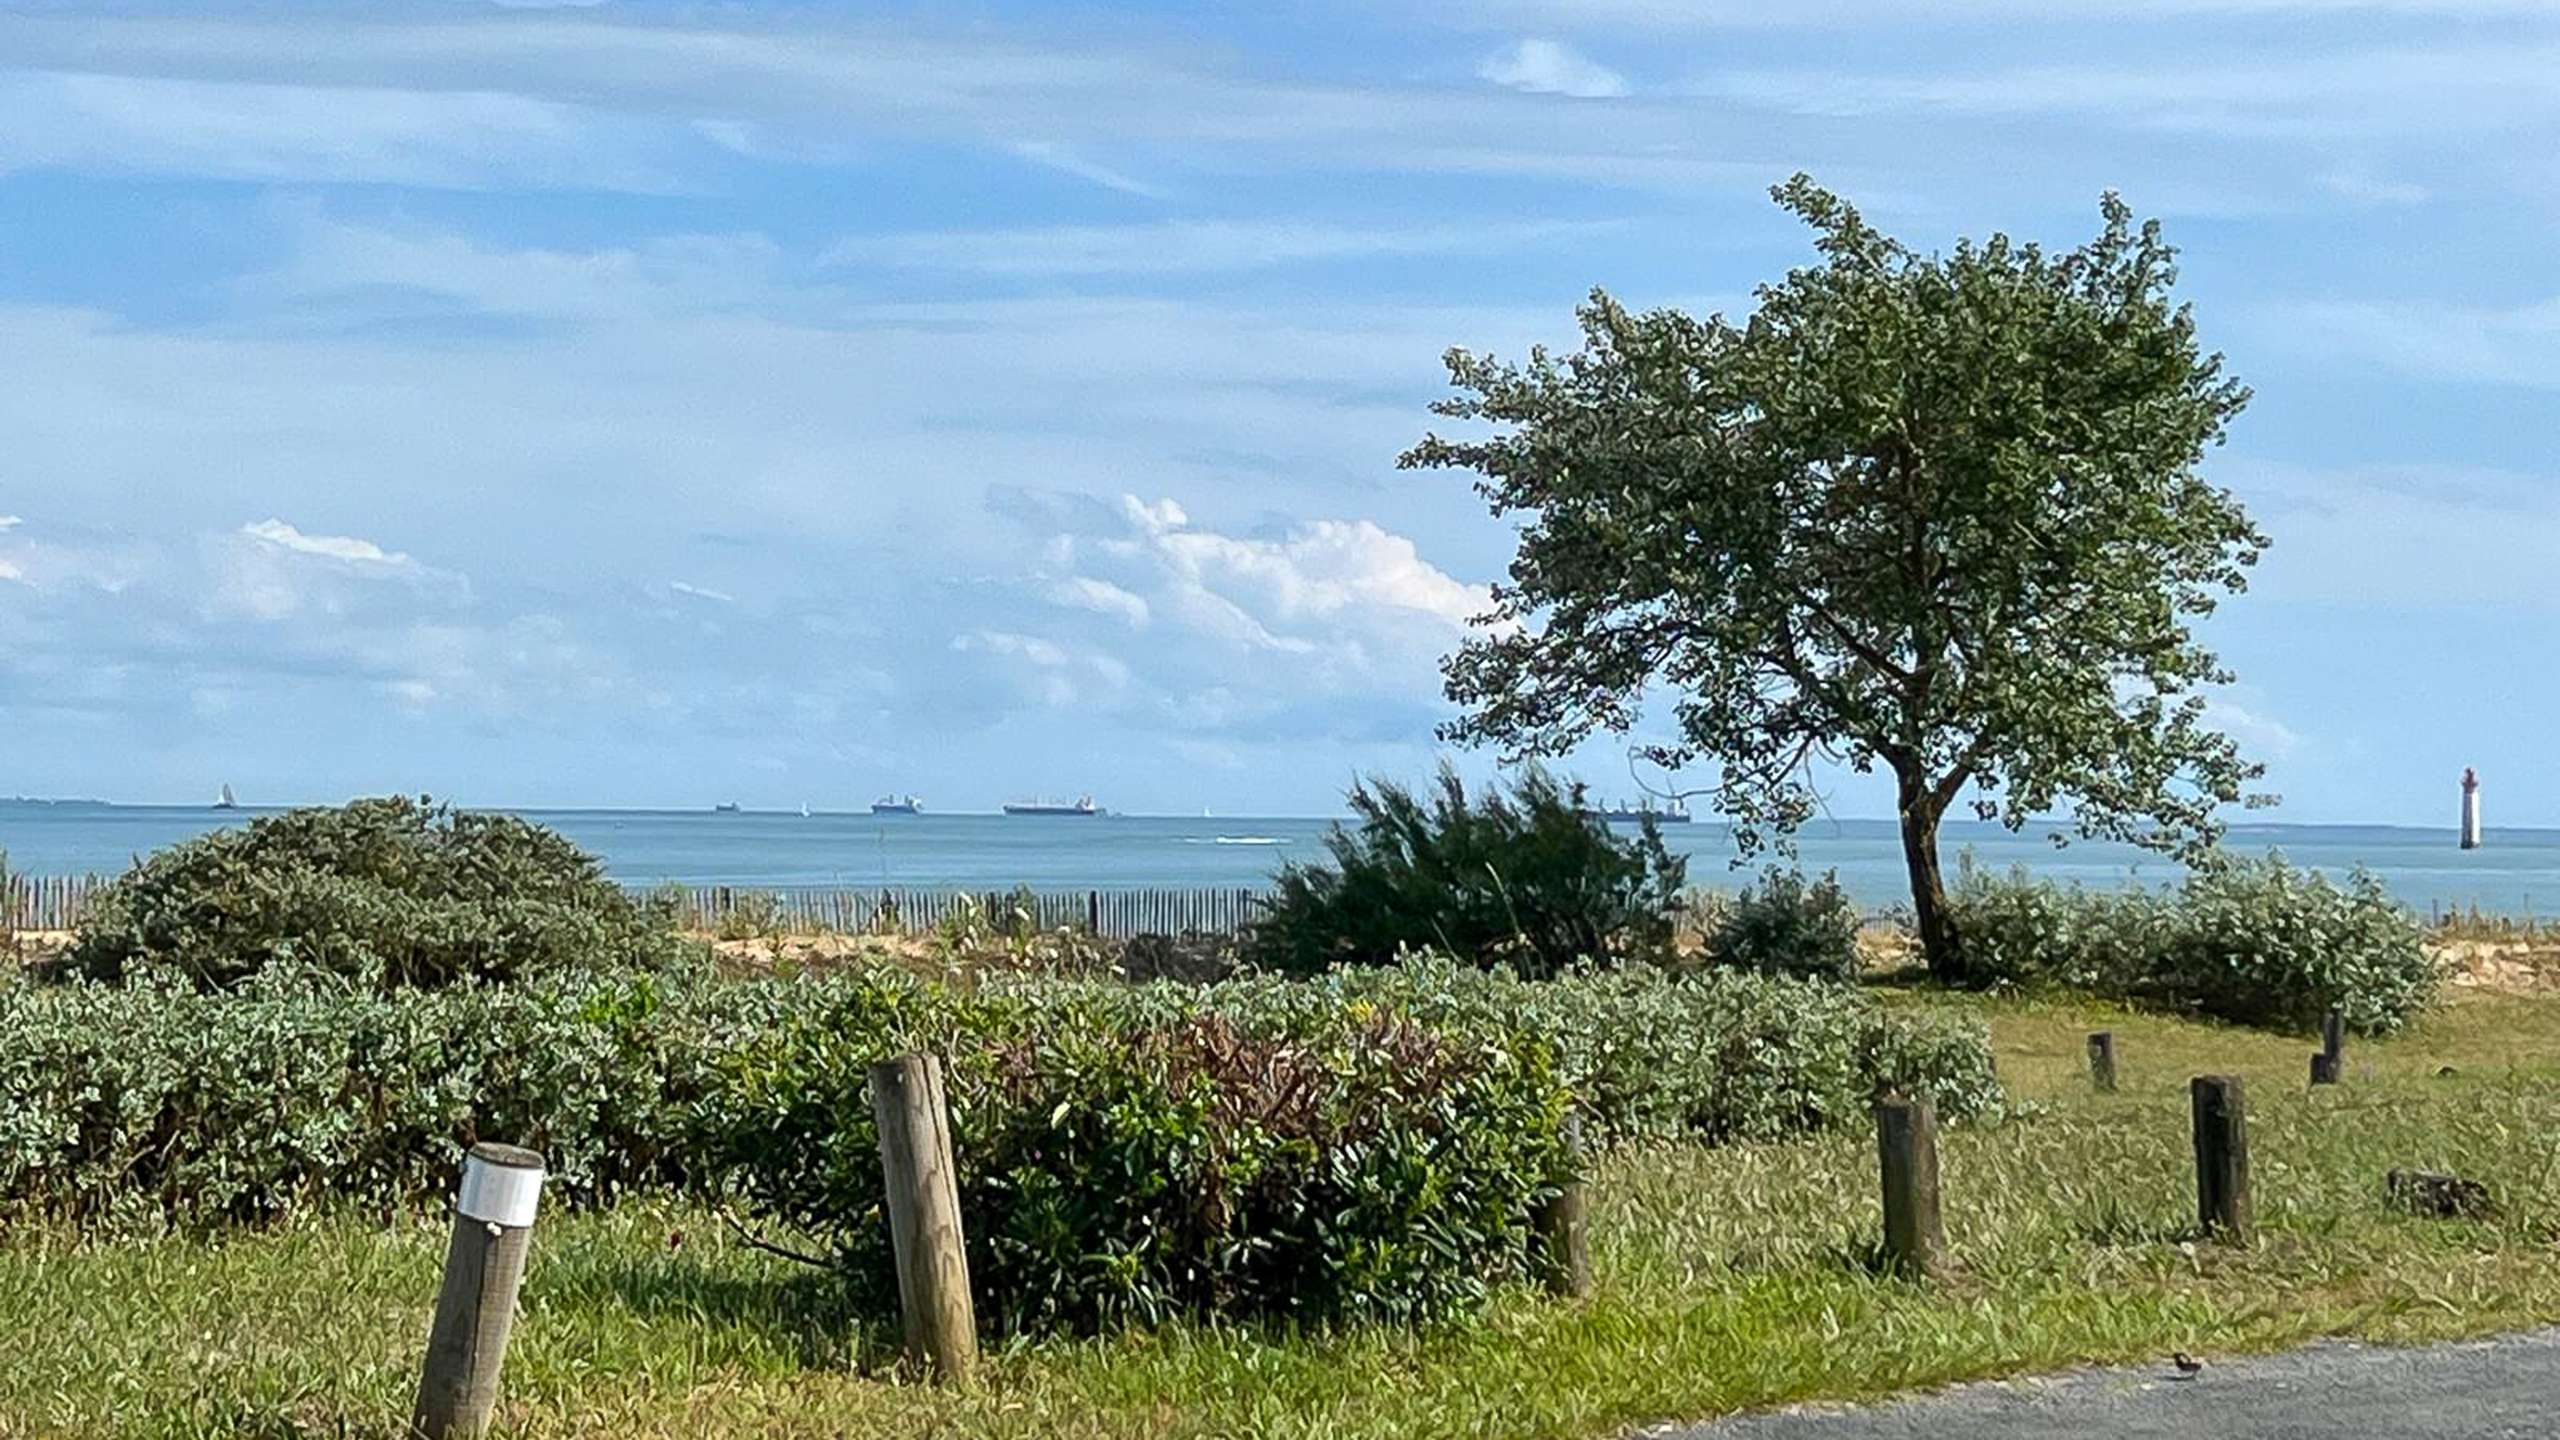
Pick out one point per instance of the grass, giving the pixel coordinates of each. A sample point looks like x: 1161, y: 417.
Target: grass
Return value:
x: 1727, y: 1279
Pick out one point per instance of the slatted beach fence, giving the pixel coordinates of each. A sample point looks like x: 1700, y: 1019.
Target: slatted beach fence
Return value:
x: 46, y: 902
x: 893, y: 910
x: 58, y: 902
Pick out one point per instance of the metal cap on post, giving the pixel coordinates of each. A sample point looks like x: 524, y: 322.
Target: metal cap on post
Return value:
x: 475, y: 1311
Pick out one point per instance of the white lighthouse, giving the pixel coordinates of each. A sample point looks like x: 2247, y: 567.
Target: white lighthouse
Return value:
x: 2470, y: 809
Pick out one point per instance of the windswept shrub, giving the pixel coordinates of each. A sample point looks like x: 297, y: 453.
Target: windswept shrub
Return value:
x: 1787, y: 926
x: 2258, y: 942
x: 1520, y: 878
x: 382, y: 893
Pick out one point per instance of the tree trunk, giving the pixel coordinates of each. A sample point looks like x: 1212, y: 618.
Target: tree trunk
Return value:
x: 1939, y: 943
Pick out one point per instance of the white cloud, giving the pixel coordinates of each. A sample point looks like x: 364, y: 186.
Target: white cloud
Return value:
x: 1083, y: 592
x: 2261, y: 736
x: 698, y: 592
x: 1546, y: 67
x: 349, y: 548
x: 11, y: 522
x: 2367, y: 189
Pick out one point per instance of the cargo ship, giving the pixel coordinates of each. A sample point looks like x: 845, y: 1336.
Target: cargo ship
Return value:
x: 1618, y: 813
x: 897, y: 805
x: 1083, y: 806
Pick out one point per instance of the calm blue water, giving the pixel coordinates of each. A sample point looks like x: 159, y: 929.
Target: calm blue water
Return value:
x: 2515, y: 872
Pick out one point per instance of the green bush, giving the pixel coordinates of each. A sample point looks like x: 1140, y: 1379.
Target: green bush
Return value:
x: 1124, y: 1157
x: 151, y: 1104
x: 1363, y: 1144
x: 1522, y: 878
x: 383, y: 893
x: 1785, y: 926
x: 1717, y: 1056
x: 2258, y: 942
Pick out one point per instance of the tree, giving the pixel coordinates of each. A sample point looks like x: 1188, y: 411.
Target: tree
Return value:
x: 1938, y: 513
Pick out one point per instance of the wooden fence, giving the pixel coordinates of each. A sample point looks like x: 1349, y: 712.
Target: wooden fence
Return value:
x: 46, y: 902
x: 1115, y: 913
x: 57, y: 902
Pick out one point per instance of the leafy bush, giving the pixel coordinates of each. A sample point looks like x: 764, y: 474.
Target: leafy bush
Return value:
x: 1123, y: 1157
x: 2254, y: 941
x: 382, y: 893
x: 151, y: 1104
x: 1364, y: 1144
x: 1718, y: 1056
x: 1523, y: 879
x: 1784, y: 926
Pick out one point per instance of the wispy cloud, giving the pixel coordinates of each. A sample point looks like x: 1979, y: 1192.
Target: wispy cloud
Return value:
x: 702, y: 592
x: 1548, y: 67
x: 1068, y: 162
x: 237, y: 130
x: 1189, y: 247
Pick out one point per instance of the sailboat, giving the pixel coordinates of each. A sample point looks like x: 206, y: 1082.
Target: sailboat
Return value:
x: 227, y: 800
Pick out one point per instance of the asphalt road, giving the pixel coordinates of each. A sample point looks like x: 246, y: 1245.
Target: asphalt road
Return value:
x: 2505, y: 1389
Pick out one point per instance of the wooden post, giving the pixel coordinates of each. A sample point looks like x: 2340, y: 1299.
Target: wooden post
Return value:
x: 2222, y: 1157
x: 2102, y: 1060
x: 914, y: 1117
x: 1093, y: 912
x: 1915, y: 1242
x: 1563, y: 1226
x: 2330, y: 1062
x: 476, y: 1309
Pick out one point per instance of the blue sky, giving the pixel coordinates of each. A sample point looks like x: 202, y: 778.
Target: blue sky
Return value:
x: 626, y: 403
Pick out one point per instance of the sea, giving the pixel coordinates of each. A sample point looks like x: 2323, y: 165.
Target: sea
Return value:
x: 2515, y: 872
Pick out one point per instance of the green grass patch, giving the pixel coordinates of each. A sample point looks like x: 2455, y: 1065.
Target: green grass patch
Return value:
x: 1728, y: 1278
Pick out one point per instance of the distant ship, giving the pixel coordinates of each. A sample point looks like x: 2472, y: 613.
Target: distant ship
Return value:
x: 1621, y: 813
x: 1083, y: 806
x: 897, y: 805
x: 725, y: 807
x: 227, y: 800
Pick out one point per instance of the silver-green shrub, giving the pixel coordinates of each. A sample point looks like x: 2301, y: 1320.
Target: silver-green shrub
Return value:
x: 2259, y: 942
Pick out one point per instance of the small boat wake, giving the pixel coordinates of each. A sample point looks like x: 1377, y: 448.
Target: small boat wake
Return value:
x: 1235, y: 840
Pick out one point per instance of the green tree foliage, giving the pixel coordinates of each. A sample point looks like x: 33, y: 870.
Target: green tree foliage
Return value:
x: 382, y: 892
x: 1935, y: 513
x: 1522, y: 878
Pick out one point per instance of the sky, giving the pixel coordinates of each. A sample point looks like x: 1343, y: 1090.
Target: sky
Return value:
x: 641, y: 404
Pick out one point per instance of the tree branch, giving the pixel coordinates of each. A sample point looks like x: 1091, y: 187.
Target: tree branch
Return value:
x: 758, y: 1242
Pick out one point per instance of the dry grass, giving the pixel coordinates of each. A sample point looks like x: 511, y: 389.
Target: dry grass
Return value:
x: 1727, y: 1278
